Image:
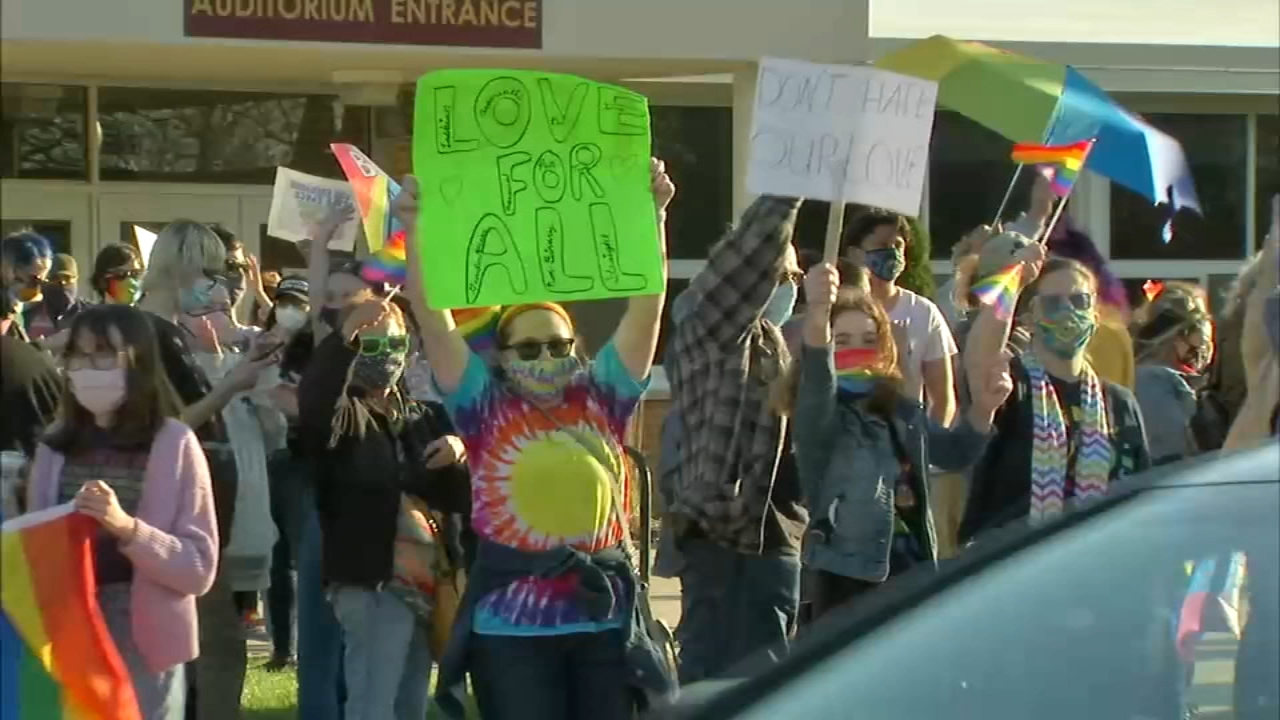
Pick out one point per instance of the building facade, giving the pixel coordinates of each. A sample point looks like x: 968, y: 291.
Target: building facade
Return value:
x: 122, y: 114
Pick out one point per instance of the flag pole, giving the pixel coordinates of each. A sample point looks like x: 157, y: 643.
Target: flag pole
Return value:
x: 835, y: 224
x: 1062, y: 204
x: 1008, y: 192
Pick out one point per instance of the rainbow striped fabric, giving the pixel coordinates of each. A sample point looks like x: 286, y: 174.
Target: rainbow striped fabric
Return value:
x: 480, y: 327
x: 389, y: 264
x: 1061, y: 179
x: 374, y: 190
x: 1069, y: 156
x: 57, y: 658
x: 1000, y: 290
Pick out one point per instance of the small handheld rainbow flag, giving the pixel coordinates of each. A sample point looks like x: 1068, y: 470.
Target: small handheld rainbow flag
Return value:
x: 57, y: 658
x: 374, y: 190
x: 389, y: 264
x: 1000, y: 290
x: 1071, y: 156
x: 1061, y: 179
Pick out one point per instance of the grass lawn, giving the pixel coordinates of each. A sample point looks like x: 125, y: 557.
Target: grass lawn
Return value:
x: 273, y: 696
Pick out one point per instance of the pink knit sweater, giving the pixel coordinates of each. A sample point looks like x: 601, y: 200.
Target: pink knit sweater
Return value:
x: 175, y: 550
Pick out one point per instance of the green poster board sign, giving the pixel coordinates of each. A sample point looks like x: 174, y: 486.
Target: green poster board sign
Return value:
x: 534, y: 187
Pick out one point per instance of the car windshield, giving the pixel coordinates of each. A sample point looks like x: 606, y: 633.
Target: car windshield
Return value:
x: 1080, y: 625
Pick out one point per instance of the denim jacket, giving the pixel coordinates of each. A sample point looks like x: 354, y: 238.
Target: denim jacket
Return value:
x: 849, y: 469
x: 497, y: 566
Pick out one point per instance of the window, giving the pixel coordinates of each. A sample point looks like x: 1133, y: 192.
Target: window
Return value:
x: 1268, y: 178
x: 969, y: 171
x: 164, y: 135
x: 1216, y: 149
x: 57, y: 232
x: 43, y: 128
x: 697, y: 145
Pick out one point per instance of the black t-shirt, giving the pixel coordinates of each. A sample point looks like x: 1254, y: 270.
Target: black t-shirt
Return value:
x: 786, y: 517
x: 30, y: 391
x: 1001, y: 481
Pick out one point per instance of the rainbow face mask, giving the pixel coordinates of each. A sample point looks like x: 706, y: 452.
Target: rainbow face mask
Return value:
x: 855, y: 371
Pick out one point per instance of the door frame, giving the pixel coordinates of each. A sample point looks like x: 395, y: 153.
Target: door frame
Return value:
x: 60, y: 202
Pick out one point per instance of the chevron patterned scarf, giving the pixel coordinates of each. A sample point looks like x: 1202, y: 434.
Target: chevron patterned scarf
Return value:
x: 1051, y: 445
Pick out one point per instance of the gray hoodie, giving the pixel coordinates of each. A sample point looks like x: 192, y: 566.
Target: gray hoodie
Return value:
x: 1167, y: 402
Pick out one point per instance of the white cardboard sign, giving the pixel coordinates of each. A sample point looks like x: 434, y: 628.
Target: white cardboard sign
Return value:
x: 841, y: 133
x: 300, y: 202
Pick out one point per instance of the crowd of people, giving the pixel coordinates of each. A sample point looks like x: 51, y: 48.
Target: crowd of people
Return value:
x: 405, y: 497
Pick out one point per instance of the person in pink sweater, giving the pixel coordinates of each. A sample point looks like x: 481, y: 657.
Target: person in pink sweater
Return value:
x: 121, y: 456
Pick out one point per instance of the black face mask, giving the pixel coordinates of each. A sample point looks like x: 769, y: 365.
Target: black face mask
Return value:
x: 377, y: 372
x: 329, y: 316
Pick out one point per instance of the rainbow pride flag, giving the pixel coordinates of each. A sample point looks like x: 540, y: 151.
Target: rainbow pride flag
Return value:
x: 374, y: 189
x: 57, y: 658
x: 1000, y: 290
x: 855, y: 363
x: 479, y: 326
x: 1061, y: 179
x: 1071, y: 156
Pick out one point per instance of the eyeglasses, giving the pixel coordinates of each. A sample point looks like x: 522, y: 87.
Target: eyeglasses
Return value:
x: 1055, y: 304
x: 387, y: 345
x: 532, y: 349
x: 125, y: 274
x: 95, y: 361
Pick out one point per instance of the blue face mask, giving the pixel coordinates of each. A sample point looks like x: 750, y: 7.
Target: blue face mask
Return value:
x: 886, y: 263
x: 783, y: 301
x: 197, y: 297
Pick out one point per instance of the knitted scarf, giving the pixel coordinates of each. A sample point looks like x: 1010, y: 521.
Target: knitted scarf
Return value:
x: 1050, y: 445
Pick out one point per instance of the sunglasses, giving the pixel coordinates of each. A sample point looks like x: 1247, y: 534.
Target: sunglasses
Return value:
x: 532, y: 349
x: 125, y: 274
x: 388, y: 345
x: 1054, y: 304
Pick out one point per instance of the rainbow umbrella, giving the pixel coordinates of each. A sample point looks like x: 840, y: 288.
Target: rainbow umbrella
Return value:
x: 1027, y: 100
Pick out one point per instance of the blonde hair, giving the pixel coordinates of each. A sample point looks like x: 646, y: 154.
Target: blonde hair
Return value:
x: 883, y: 397
x: 183, y: 249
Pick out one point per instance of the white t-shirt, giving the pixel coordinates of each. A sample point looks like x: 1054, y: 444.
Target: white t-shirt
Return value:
x: 922, y: 336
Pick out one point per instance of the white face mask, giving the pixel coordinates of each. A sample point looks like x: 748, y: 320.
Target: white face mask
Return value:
x: 291, y: 318
x: 99, y: 391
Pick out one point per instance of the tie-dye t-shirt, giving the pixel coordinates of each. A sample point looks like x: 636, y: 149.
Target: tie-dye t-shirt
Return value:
x: 535, y: 487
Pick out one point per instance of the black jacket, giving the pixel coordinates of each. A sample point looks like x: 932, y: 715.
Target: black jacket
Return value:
x: 359, y: 480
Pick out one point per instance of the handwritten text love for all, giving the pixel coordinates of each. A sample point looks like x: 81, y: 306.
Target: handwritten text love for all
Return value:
x: 536, y: 187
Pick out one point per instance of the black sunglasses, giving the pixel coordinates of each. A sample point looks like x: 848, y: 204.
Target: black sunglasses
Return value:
x: 532, y: 349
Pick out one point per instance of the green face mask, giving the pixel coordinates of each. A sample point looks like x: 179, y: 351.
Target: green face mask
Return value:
x: 1067, y: 332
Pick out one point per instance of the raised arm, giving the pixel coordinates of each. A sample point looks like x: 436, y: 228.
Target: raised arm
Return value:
x: 446, y: 349
x: 636, y: 338
x: 815, y: 404
x: 989, y: 335
x: 318, y: 264
x: 741, y: 273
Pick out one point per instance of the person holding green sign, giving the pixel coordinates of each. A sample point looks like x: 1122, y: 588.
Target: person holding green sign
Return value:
x: 548, y: 627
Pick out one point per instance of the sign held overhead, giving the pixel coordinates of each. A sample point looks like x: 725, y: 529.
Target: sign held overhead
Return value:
x: 841, y: 133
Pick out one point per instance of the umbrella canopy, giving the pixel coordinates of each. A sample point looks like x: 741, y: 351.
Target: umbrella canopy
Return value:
x: 1012, y: 94
x: 1128, y: 150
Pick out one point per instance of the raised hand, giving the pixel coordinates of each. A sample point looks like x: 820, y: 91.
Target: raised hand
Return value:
x: 663, y: 188
x: 405, y: 205
x: 821, y: 285
x: 992, y: 393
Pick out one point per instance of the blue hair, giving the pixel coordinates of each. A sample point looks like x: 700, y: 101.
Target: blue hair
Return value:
x: 24, y: 248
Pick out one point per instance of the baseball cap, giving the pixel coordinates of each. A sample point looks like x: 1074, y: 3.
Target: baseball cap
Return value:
x: 997, y: 253
x: 64, y: 264
x: 295, y: 286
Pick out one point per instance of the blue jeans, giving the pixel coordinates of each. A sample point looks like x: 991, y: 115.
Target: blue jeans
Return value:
x: 734, y: 605
x: 321, y: 687
x: 579, y: 676
x: 387, y: 659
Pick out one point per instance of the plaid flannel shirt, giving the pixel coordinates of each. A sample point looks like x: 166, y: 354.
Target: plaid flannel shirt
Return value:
x: 726, y: 361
